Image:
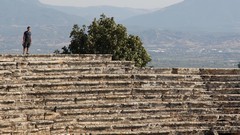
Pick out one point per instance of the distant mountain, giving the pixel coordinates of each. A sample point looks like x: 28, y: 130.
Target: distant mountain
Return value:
x: 193, y: 15
x: 32, y: 12
x: 119, y: 13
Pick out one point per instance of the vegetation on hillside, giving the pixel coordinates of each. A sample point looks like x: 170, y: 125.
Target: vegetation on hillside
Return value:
x: 104, y: 36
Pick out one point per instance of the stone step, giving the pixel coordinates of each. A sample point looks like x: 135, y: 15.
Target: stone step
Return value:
x: 65, y: 85
x: 216, y: 117
x: 14, y: 73
x: 95, y: 115
x: 112, y: 106
x: 65, y: 78
x: 213, y: 104
x: 227, y: 90
x: 5, y: 72
x: 49, y: 64
x: 161, y: 90
x: 147, y: 93
x: 183, y: 71
x: 139, y: 118
x: 8, y: 65
x: 187, y: 84
x: 219, y: 71
x: 80, y: 92
x: 225, y: 97
x: 62, y: 64
x: 139, y: 102
x: 227, y: 128
x: 223, y: 85
x: 68, y: 57
x: 228, y: 110
x: 5, y: 76
x: 188, y: 71
x: 157, y: 131
x: 82, y: 70
x: 156, y: 128
x: 169, y: 84
x: 221, y: 78
x: 186, y: 94
x: 145, y: 104
x: 167, y: 77
x: 98, y: 99
x: 75, y: 95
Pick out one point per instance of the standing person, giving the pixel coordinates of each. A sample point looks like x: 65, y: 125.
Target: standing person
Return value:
x: 27, y: 39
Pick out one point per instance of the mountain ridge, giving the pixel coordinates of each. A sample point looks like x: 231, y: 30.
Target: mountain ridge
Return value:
x: 26, y: 12
x: 193, y: 15
x: 89, y: 13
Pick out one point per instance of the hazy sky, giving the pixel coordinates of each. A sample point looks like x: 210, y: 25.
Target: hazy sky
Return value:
x: 144, y: 4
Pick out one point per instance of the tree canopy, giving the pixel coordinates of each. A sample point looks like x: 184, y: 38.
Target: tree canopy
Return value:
x: 104, y: 36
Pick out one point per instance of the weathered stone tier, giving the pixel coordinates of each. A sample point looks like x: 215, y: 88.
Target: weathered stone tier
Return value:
x: 91, y: 94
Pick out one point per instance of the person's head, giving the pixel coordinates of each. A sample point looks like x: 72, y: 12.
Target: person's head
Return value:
x: 28, y: 28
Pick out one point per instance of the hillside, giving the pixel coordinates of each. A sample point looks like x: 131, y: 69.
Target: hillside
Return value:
x: 192, y: 49
x: 193, y: 15
x: 119, y: 13
x: 32, y: 12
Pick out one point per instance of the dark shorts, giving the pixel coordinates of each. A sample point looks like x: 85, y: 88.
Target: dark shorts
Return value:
x: 26, y: 44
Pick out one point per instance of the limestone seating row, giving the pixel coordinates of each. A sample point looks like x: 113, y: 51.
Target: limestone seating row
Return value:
x: 122, y: 103
x: 119, y: 129
x: 62, y: 64
x: 184, y: 71
x: 220, y: 71
x: 188, y: 71
x: 82, y: 70
x: 167, y: 77
x: 186, y: 91
x: 65, y: 85
x: 56, y: 57
x: 221, y: 78
x: 19, y: 73
x: 38, y: 74
x: 96, y: 115
x: 168, y: 84
x: 68, y: 78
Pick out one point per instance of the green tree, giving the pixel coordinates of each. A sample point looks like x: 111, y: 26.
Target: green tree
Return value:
x: 239, y: 65
x: 104, y: 36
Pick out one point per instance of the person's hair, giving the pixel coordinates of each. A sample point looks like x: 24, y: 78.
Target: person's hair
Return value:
x: 28, y: 27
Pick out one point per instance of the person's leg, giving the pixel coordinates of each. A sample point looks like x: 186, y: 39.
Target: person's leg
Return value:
x: 24, y: 49
x: 27, y: 48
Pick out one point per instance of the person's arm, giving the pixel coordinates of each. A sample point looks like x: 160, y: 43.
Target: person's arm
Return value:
x: 23, y: 37
x: 31, y: 38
